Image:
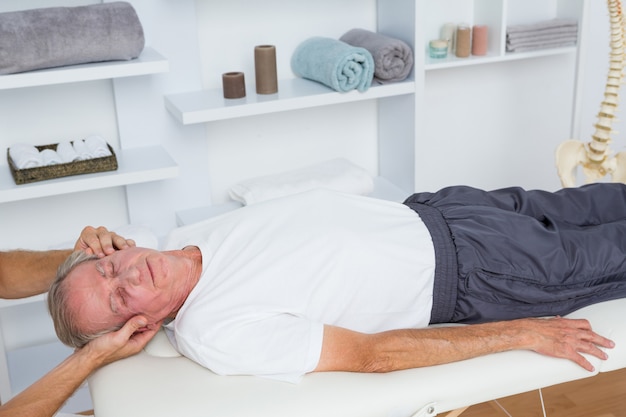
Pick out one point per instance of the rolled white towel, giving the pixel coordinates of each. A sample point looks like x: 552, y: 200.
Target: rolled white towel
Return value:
x: 81, y: 150
x: 97, y: 146
x: 50, y: 157
x: 66, y: 151
x: 336, y: 174
x: 25, y: 156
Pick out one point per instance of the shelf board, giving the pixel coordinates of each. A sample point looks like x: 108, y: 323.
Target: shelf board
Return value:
x: 210, y: 105
x: 383, y: 189
x: 149, y: 62
x: 19, y: 301
x: 453, y: 61
x: 135, y: 165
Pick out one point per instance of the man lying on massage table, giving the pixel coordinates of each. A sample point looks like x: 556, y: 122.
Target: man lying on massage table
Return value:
x: 323, y: 281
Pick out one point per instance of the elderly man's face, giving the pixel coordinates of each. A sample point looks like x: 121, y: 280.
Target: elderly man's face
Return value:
x: 107, y: 292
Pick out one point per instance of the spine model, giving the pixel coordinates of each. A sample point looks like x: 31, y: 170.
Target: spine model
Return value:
x: 595, y: 157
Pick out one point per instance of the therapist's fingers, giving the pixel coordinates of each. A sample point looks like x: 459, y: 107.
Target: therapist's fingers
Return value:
x: 127, y: 341
x: 100, y: 241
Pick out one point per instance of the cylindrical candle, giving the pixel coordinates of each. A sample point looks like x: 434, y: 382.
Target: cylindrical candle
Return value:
x: 234, y: 85
x: 463, y: 41
x: 265, y: 69
x: 479, y: 40
x: 448, y: 31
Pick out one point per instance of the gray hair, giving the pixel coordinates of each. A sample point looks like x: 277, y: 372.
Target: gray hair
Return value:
x: 62, y: 316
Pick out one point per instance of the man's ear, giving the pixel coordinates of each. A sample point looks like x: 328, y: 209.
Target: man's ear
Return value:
x: 149, y: 326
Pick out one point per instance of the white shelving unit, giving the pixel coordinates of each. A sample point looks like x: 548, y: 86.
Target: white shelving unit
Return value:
x: 396, y: 103
x: 210, y: 105
x: 400, y: 106
x: 454, y: 62
x: 497, y: 15
x: 135, y: 165
x: 149, y: 62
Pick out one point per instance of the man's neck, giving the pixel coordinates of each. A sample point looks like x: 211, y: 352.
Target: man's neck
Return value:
x: 194, y: 255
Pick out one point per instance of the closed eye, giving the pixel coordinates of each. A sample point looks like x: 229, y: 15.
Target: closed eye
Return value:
x: 105, y: 269
x: 117, y: 299
x: 100, y: 269
x: 122, y: 296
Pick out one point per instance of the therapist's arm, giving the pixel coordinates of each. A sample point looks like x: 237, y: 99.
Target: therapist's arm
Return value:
x: 346, y: 350
x: 25, y: 273
x: 46, y: 396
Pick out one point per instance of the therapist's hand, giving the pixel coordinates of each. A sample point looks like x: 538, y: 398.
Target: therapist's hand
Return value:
x: 100, y: 241
x: 127, y: 341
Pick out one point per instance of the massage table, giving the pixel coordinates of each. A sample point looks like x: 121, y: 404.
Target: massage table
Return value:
x: 158, y: 382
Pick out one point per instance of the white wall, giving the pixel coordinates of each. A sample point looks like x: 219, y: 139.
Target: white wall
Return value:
x: 496, y: 125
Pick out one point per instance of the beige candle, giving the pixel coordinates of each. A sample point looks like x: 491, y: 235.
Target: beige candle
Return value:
x: 463, y: 41
x: 265, y: 69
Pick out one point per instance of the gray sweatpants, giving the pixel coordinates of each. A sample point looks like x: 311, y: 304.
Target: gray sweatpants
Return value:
x: 512, y: 253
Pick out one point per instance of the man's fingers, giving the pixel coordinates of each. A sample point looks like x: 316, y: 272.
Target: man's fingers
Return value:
x: 582, y: 361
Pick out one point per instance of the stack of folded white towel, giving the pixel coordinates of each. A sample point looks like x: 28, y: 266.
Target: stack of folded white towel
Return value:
x: 28, y: 156
x: 555, y: 33
x: 337, y: 174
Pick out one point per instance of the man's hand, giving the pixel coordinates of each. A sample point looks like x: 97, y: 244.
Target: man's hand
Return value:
x: 565, y: 338
x: 100, y: 241
x: 127, y: 341
x: 347, y: 350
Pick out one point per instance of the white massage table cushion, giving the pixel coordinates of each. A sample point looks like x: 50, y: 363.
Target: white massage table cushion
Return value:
x: 160, y: 383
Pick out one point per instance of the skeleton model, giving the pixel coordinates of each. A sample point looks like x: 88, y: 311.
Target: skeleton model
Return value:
x: 595, y: 157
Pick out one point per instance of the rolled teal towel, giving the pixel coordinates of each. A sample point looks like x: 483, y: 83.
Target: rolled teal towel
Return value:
x: 334, y: 63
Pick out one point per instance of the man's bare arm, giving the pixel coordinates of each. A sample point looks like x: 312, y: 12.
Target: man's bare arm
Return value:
x: 345, y: 350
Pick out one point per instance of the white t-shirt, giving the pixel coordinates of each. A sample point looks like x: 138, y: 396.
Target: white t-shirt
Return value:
x: 275, y: 272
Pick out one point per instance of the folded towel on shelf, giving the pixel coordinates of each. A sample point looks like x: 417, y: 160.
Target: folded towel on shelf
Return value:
x: 97, y: 146
x: 80, y: 147
x: 530, y: 40
x: 336, y: 174
x: 545, y: 25
x: 567, y: 32
x: 66, y: 151
x: 334, y: 63
x: 554, y: 33
x: 393, y: 58
x: 25, y: 156
x: 57, y: 36
x: 541, y: 45
x: 50, y: 157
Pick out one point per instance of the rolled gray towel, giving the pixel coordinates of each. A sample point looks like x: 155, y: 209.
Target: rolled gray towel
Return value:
x: 393, y: 58
x: 58, y: 36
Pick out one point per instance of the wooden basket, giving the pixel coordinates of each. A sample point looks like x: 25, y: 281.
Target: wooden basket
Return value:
x: 87, y: 166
